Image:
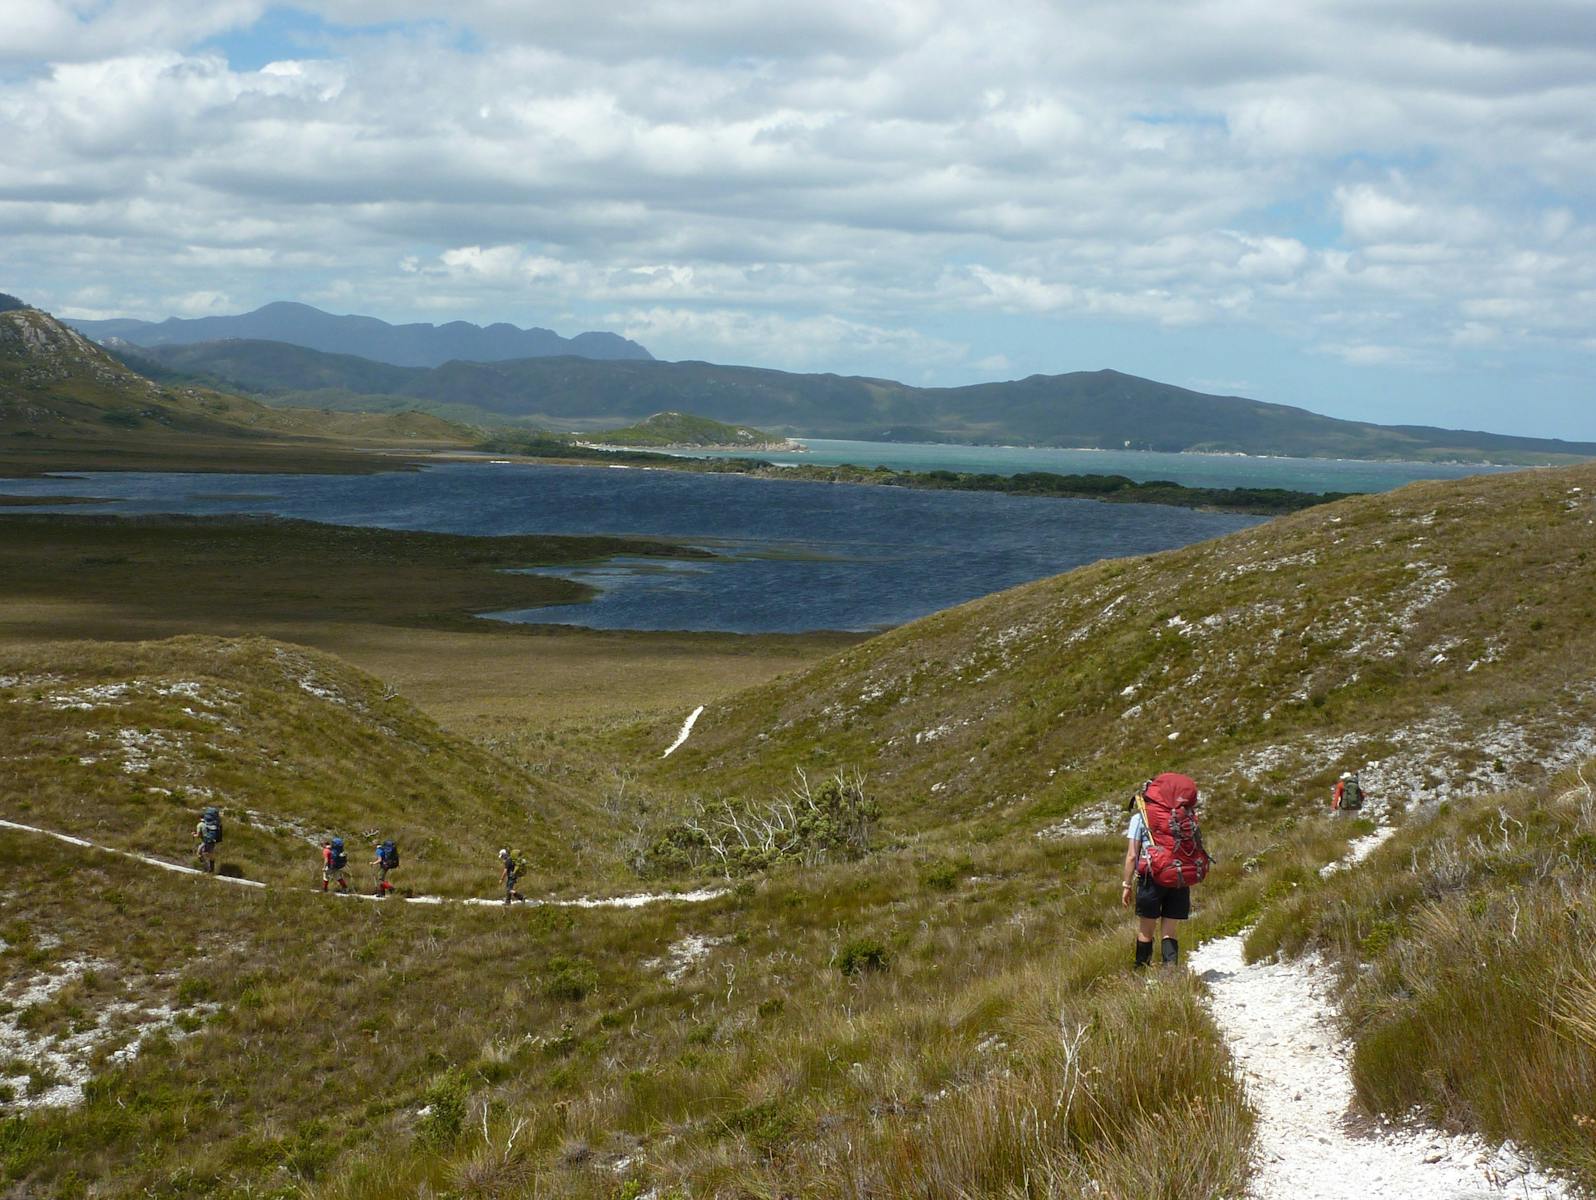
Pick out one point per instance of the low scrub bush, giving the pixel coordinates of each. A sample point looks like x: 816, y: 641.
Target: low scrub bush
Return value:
x: 811, y: 824
x: 443, y: 1109
x: 569, y: 978
x: 862, y: 954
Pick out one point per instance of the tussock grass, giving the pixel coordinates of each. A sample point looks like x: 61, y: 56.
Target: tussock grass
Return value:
x: 761, y: 1069
x: 1466, y: 949
x: 993, y: 1041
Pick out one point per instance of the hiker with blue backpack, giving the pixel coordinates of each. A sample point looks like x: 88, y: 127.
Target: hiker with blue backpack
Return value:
x: 334, y: 864
x: 208, y: 833
x: 1165, y: 855
x: 387, y: 859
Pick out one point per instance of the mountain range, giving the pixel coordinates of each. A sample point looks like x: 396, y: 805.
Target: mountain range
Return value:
x: 1095, y: 409
x: 412, y: 345
x: 66, y: 402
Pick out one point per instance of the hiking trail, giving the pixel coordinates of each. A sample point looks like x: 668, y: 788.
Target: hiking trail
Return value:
x: 687, y: 729
x: 634, y: 900
x: 1297, y: 1070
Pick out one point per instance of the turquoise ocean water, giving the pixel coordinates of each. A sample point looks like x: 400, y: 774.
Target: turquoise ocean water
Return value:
x: 1193, y: 470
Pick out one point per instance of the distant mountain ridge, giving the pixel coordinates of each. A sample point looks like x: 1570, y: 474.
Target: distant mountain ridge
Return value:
x: 1094, y: 409
x: 412, y: 345
x: 67, y: 402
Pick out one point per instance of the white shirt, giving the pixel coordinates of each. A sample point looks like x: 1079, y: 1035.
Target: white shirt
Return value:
x: 1136, y: 831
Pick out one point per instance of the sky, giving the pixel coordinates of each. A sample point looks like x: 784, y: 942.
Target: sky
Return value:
x: 1376, y: 209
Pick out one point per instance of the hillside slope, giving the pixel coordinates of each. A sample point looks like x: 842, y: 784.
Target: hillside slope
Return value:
x: 950, y: 1013
x: 62, y: 397
x: 1103, y: 409
x: 418, y: 344
x: 1439, y: 636
x: 124, y: 743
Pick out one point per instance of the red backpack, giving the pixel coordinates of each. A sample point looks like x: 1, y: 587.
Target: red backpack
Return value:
x: 1175, y: 857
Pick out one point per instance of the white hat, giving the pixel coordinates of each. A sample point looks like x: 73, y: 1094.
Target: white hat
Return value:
x: 504, y: 854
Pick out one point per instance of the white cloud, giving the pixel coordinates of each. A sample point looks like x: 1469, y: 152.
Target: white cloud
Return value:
x: 771, y: 339
x: 200, y: 304
x: 1388, y: 184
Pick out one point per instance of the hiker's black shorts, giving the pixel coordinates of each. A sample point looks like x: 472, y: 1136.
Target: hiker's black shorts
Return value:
x: 1155, y: 900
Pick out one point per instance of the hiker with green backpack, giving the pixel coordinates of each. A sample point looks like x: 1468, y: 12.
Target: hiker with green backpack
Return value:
x: 1164, y: 855
x: 509, y: 875
x: 1347, y: 794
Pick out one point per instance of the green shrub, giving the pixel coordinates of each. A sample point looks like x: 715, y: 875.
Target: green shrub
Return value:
x: 940, y: 876
x: 861, y: 954
x: 443, y: 1109
x: 568, y: 978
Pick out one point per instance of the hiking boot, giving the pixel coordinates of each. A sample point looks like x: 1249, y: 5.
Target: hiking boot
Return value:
x: 1144, y: 953
x: 1170, y: 951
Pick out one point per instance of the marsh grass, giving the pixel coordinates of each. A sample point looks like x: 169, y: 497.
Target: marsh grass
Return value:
x: 397, y: 604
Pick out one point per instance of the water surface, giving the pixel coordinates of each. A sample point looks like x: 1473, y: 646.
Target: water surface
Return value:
x: 794, y: 556
x: 1193, y: 470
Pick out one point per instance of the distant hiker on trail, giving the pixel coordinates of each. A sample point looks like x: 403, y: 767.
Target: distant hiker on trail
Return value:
x: 208, y: 833
x: 334, y: 864
x: 1346, y: 794
x: 387, y: 859
x: 509, y: 872
x: 1164, y: 856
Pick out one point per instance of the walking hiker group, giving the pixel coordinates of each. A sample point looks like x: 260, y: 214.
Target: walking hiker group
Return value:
x: 335, y: 864
x: 335, y: 859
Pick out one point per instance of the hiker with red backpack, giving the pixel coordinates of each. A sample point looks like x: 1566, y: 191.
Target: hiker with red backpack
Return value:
x: 1165, y: 856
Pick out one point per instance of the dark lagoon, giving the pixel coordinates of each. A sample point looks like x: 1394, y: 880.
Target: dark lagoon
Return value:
x: 794, y: 556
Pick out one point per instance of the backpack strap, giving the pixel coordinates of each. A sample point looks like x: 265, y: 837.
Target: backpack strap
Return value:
x: 1147, y: 828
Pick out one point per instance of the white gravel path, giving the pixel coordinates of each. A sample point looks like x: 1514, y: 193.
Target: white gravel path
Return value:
x: 632, y: 900
x: 687, y: 729
x: 1278, y: 1019
x: 143, y: 858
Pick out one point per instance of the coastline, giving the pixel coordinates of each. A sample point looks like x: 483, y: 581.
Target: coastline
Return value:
x: 1108, y: 489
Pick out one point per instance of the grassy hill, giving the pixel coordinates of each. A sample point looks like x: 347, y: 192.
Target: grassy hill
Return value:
x: 1103, y: 409
x: 65, y: 402
x: 684, y: 429
x: 1438, y: 634
x: 120, y: 743
x: 944, y: 1008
